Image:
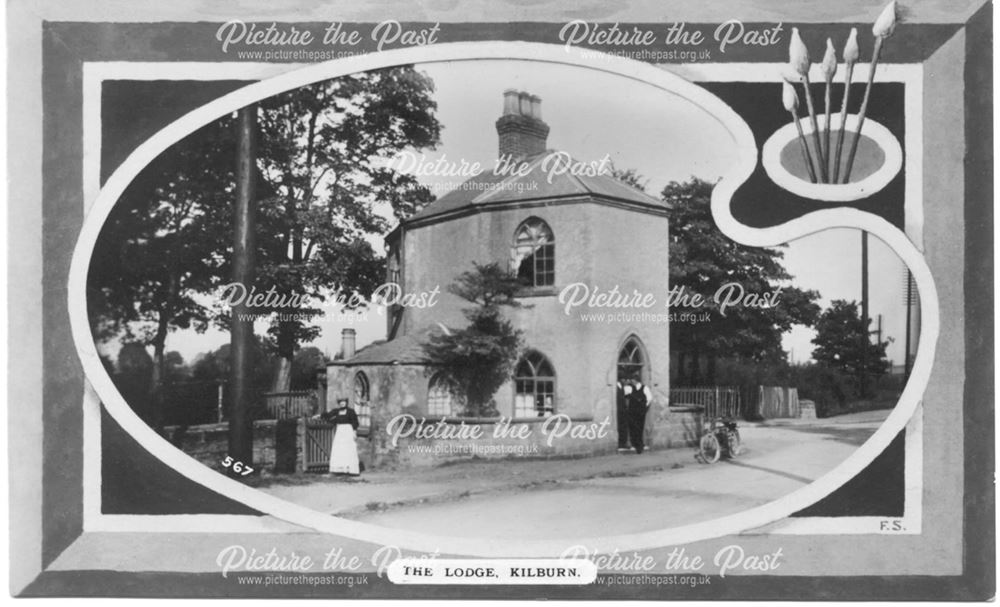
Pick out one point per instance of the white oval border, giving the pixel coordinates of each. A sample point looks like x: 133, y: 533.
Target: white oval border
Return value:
x: 831, y: 192
x: 487, y: 547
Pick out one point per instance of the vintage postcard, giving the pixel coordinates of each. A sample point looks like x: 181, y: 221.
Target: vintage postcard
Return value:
x: 617, y: 299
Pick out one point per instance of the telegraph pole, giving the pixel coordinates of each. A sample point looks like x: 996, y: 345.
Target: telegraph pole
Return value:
x: 864, y: 314
x: 241, y: 326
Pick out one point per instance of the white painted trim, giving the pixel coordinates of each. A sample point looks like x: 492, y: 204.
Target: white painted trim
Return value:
x: 92, y: 455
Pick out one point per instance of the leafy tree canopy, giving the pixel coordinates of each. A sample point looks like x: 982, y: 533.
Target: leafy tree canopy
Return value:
x: 480, y: 357
x: 703, y: 260
x: 843, y: 342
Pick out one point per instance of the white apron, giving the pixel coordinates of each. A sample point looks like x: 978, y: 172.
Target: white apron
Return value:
x: 344, y: 452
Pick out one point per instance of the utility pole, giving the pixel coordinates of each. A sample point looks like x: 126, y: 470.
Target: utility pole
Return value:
x: 864, y: 315
x: 241, y: 326
x: 909, y: 320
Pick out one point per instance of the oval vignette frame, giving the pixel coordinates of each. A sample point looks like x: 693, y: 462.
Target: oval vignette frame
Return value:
x: 488, y: 547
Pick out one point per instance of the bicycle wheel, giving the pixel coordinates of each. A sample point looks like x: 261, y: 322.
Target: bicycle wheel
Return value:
x: 733, y: 443
x: 710, y: 448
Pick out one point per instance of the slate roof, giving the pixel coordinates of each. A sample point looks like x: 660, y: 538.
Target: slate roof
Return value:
x: 405, y: 349
x: 488, y: 188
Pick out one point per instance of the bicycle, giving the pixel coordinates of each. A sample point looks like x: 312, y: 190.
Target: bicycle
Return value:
x: 721, y: 437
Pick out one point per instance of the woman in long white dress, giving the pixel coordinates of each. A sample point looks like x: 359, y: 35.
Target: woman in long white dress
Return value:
x: 344, y: 452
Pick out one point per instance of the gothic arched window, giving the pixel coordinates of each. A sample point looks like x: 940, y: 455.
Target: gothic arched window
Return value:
x: 533, y: 254
x: 362, y: 395
x: 534, y: 386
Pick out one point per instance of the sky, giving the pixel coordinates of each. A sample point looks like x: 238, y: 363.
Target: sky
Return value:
x: 592, y: 115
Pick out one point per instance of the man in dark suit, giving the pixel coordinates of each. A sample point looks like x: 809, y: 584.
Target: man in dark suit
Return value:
x: 637, y: 402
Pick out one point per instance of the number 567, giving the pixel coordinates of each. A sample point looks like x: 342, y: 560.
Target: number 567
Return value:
x: 236, y: 466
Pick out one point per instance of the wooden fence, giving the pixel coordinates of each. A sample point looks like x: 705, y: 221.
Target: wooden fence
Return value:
x: 760, y: 402
x: 286, y: 405
x: 775, y: 402
x: 716, y: 401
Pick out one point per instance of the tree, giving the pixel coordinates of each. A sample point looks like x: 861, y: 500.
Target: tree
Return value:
x: 480, y: 358
x: 214, y: 366
x: 324, y: 152
x: 159, y: 249
x: 704, y: 260
x: 630, y: 177
x: 842, y: 340
x: 134, y: 381
x: 175, y: 368
x: 308, y: 362
x: 323, y: 186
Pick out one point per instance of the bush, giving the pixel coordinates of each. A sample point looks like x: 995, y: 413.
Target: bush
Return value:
x: 830, y: 389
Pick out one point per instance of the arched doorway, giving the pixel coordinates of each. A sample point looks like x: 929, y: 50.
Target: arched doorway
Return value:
x: 632, y: 365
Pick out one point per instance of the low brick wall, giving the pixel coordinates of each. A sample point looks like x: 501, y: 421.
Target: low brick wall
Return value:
x: 209, y: 443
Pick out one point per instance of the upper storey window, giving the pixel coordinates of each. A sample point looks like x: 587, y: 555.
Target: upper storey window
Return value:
x: 534, y: 254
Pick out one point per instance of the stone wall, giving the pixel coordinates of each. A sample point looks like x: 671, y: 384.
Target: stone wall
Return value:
x: 278, y: 446
x: 402, y: 389
x: 676, y: 428
x: 209, y: 443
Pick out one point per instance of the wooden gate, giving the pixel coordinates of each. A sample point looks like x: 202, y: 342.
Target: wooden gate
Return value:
x: 317, y: 442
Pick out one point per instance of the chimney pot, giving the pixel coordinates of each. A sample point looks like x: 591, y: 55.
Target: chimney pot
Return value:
x: 536, y: 107
x: 525, y: 105
x: 347, y: 343
x: 510, y: 102
x: 521, y: 130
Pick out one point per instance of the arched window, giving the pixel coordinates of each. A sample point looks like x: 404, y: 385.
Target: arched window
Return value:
x: 533, y: 255
x: 442, y: 396
x: 534, y: 386
x: 632, y: 361
x: 362, y: 406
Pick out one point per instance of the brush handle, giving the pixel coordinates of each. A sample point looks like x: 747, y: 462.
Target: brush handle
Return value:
x: 815, y: 126
x: 804, y: 147
x: 864, y: 110
x: 826, y: 128
x: 848, y: 76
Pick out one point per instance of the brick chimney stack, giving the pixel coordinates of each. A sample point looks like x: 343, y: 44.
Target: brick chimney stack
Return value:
x: 521, y: 129
x: 347, y: 343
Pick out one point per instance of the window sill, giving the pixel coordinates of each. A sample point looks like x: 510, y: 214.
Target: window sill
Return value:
x: 536, y: 292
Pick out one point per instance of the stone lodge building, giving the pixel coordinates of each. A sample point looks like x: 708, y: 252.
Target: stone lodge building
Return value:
x: 594, y: 230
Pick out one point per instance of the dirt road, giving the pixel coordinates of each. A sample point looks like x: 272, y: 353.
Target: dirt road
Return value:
x: 605, y: 495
